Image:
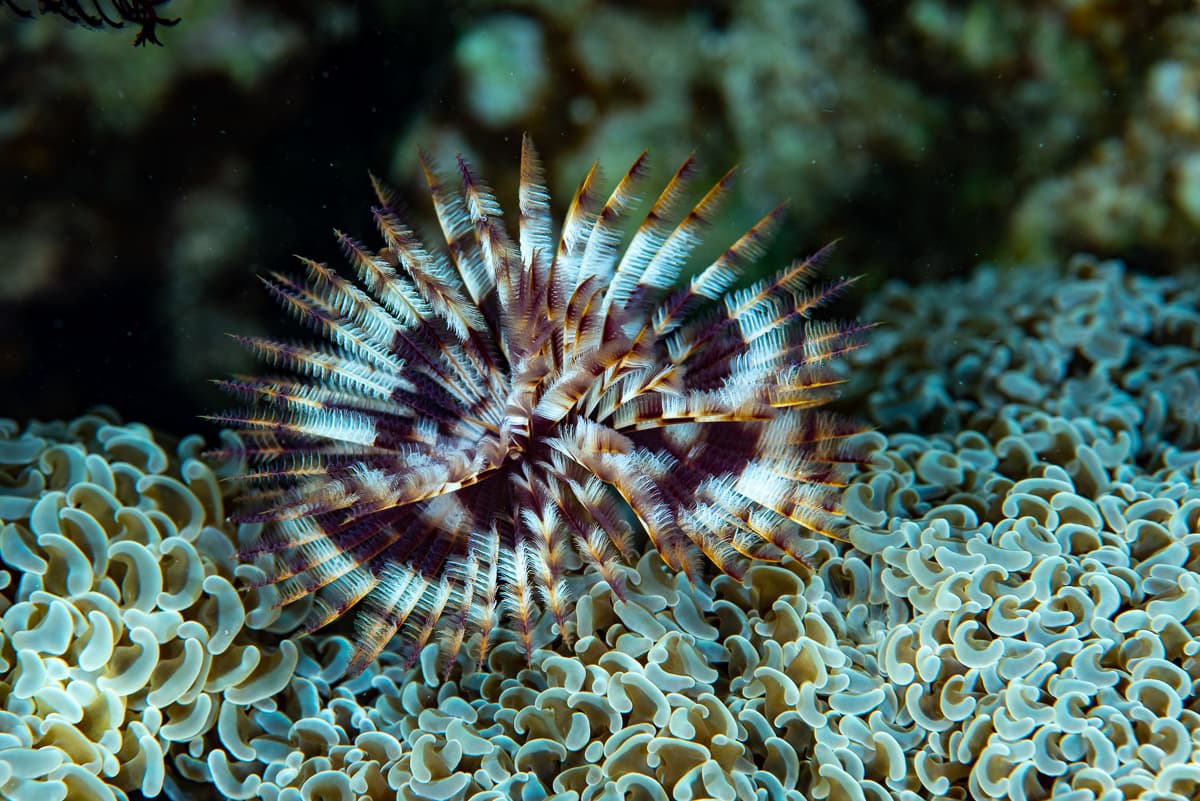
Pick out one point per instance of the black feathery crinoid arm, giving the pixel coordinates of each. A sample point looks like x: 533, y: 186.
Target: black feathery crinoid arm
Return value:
x: 98, y: 15
x: 464, y: 436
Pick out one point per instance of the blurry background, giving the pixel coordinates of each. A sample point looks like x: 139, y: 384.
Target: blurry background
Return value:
x: 142, y: 189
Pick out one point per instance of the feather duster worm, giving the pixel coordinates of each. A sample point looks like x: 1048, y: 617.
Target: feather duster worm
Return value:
x: 478, y: 421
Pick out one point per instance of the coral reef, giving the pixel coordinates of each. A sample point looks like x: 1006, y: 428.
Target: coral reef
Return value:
x: 1138, y: 187
x: 786, y: 88
x: 1017, y: 615
x: 1070, y: 123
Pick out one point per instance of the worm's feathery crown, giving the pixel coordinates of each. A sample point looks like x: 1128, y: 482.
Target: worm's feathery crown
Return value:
x: 464, y: 438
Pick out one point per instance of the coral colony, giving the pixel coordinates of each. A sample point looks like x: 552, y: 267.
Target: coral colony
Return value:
x: 1017, y: 615
x: 481, y: 419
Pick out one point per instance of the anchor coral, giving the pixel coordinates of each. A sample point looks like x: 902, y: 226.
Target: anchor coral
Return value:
x: 122, y: 636
x: 1016, y: 616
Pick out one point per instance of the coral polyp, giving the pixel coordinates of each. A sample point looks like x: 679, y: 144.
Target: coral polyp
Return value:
x: 483, y: 421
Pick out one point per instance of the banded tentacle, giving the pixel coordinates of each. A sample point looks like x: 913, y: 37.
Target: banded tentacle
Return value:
x: 482, y: 420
